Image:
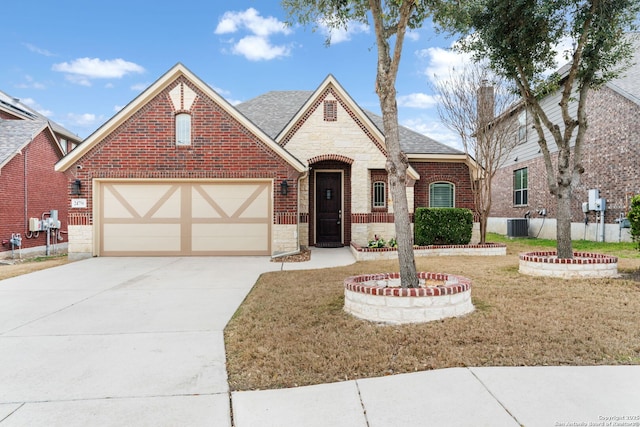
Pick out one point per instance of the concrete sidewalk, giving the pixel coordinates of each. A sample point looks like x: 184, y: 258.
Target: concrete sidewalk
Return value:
x: 139, y: 342
x: 474, y: 397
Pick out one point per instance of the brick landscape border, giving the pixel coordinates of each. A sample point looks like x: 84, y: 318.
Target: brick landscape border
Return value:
x: 583, y: 264
x: 378, y: 298
x: 363, y: 253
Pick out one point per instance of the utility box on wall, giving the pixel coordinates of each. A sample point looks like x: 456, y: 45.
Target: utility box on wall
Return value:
x: 594, y: 195
x: 34, y: 224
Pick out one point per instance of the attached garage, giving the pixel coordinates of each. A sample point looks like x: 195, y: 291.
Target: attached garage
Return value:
x: 183, y: 217
x: 179, y: 171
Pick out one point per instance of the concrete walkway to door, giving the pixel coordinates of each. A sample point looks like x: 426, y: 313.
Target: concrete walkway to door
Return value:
x: 123, y: 341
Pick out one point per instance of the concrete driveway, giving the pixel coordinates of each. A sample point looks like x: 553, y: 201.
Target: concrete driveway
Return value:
x: 121, y: 341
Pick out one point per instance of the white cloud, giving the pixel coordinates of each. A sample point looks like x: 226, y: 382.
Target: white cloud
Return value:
x: 31, y: 103
x: 86, y: 120
x: 564, y: 49
x: 412, y: 36
x: 339, y: 35
x: 82, y: 70
x: 256, y: 46
x: 441, y: 62
x: 38, y: 50
x: 30, y: 84
x: 434, y: 129
x: 251, y: 20
x: 417, y: 100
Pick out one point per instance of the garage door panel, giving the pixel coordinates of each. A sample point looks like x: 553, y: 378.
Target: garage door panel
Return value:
x: 230, y: 237
x: 139, y: 200
x: 231, y: 200
x: 185, y: 218
x: 141, y: 237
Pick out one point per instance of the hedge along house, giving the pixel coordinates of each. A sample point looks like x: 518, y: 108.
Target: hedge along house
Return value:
x: 180, y: 171
x: 33, y: 193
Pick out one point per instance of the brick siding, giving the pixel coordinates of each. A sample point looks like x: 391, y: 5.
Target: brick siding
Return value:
x: 611, y: 159
x: 45, y: 190
x: 455, y: 173
x: 144, y: 147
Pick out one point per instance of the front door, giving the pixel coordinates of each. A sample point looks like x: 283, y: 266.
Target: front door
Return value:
x: 329, y: 207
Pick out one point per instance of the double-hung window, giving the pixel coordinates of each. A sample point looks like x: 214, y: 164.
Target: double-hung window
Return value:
x: 521, y: 187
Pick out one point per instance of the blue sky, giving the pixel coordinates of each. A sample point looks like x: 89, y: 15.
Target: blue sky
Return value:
x: 79, y: 64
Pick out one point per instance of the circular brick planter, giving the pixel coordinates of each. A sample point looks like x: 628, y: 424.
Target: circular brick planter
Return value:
x: 379, y: 297
x: 583, y: 265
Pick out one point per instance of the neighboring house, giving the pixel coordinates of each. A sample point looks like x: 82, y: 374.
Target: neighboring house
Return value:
x: 181, y: 171
x: 30, y: 146
x: 611, y: 159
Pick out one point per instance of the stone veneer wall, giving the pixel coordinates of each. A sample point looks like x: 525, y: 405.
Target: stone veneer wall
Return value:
x: 368, y: 297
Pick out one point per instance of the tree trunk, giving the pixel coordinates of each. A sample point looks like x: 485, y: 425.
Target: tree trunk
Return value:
x: 483, y: 228
x: 563, y: 222
x: 397, y: 164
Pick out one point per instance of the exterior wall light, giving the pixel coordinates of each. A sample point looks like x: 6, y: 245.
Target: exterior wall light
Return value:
x: 284, y: 187
x: 75, y: 187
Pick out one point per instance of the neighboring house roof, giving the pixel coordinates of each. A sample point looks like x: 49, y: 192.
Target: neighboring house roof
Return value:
x: 273, y: 111
x: 628, y: 85
x: 17, y: 134
x: 22, y: 111
x: 158, y: 86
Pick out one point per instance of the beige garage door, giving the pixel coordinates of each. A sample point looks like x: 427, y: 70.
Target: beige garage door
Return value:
x: 150, y: 218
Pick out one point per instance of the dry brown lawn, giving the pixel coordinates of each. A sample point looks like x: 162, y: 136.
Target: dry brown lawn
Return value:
x: 29, y: 265
x: 292, y: 330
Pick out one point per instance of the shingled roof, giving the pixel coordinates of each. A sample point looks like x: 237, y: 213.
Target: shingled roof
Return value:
x: 273, y: 111
x: 15, y: 134
x: 19, y: 109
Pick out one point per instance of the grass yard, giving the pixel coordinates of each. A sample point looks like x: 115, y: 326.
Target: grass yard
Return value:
x: 29, y: 265
x: 291, y: 330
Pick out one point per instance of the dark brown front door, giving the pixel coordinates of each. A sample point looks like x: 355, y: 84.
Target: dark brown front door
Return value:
x: 329, y: 207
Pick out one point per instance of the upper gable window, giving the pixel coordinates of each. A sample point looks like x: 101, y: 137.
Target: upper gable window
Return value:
x: 183, y: 129
x: 330, y: 111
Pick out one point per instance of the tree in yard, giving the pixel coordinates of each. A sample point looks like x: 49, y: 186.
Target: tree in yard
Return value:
x: 391, y: 19
x: 468, y: 102
x: 518, y: 38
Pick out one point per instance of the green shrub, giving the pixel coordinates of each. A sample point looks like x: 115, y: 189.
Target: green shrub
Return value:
x: 443, y: 226
x: 634, y: 219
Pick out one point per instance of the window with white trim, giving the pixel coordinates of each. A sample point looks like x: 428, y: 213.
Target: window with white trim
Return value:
x: 379, y: 194
x: 441, y: 195
x: 521, y: 187
x: 183, y: 129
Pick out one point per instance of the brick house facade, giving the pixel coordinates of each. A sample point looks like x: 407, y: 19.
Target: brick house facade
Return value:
x: 264, y: 177
x: 30, y: 188
x: 611, y: 155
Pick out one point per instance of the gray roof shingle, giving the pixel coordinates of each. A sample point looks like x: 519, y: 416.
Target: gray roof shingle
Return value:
x: 18, y: 108
x: 14, y: 134
x: 273, y: 111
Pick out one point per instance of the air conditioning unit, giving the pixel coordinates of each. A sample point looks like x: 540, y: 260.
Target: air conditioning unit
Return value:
x: 518, y: 227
